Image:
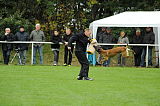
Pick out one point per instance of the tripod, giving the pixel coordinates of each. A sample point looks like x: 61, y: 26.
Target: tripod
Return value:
x: 17, y: 54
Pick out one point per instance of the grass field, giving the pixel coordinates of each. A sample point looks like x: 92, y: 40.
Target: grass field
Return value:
x: 48, y: 85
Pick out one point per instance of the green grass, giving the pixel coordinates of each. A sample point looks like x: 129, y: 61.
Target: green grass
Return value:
x: 48, y: 85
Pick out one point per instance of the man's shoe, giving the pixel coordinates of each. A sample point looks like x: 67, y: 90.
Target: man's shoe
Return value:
x: 79, y: 78
x: 87, y: 78
x: 64, y: 64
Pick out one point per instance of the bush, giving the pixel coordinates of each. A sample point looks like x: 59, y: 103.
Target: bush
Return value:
x: 14, y: 22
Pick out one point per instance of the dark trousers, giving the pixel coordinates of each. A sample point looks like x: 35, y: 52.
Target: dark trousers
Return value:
x: 82, y: 58
x: 68, y: 55
x: 121, y: 60
x: 56, y: 56
x: 6, y: 56
x: 137, y: 58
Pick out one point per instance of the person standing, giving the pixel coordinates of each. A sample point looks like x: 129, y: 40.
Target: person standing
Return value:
x: 82, y: 39
x: 149, y: 38
x: 137, y: 39
x: 22, y: 47
x: 7, y: 47
x: 56, y: 39
x: 38, y: 36
x: 107, y: 37
x: 99, y: 40
x: 67, y: 53
x: 123, y: 39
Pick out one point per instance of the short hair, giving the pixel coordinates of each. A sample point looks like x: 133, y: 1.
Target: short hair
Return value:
x: 7, y: 29
x: 21, y: 27
x: 87, y: 29
x: 68, y: 28
x: 38, y: 25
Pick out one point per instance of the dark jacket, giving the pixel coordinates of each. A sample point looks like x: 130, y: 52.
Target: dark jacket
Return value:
x: 106, y: 38
x: 137, y: 40
x: 9, y: 37
x: 81, y: 41
x: 22, y: 36
x: 99, y: 36
x: 56, y: 40
x: 149, y: 38
x: 66, y: 38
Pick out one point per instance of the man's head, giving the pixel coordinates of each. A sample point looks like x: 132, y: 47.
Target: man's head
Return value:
x: 68, y: 31
x: 108, y: 30
x: 148, y: 29
x: 138, y: 32
x: 56, y: 32
x: 122, y: 33
x: 21, y: 28
x: 7, y: 30
x: 38, y: 27
x: 87, y: 32
x: 103, y: 29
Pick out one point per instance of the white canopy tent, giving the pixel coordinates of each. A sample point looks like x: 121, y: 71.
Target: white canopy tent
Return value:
x: 132, y: 19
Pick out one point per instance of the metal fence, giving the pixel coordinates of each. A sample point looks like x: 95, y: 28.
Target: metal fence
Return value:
x: 147, y: 46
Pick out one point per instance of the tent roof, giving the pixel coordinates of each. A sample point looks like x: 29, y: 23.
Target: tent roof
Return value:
x: 131, y: 19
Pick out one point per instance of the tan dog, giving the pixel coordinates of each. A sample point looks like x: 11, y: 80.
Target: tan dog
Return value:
x: 112, y: 52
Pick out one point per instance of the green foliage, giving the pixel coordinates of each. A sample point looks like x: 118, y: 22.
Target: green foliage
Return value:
x: 59, y: 14
x: 14, y: 22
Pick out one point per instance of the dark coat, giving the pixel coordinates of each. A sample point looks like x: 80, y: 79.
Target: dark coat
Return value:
x: 137, y: 40
x: 22, y: 36
x: 106, y: 38
x: 9, y: 37
x: 149, y: 38
x: 66, y: 38
x: 56, y: 40
x: 99, y: 36
x: 81, y: 41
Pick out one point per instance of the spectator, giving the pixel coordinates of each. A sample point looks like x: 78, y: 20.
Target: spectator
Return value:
x: 22, y: 48
x: 67, y: 36
x: 137, y: 39
x: 98, y: 37
x: 56, y: 39
x: 123, y: 39
x: 149, y: 38
x: 107, y: 37
x: 7, y: 47
x: 38, y: 36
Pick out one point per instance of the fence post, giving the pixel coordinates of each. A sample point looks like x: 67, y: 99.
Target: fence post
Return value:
x: 32, y: 55
x: 147, y: 56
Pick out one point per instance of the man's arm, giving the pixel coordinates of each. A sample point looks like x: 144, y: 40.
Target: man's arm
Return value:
x: 31, y: 36
x: 43, y: 37
x: 71, y: 40
x: 152, y: 39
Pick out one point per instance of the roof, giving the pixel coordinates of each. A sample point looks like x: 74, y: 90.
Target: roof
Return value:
x: 131, y: 19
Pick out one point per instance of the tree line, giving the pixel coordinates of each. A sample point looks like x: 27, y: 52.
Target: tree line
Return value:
x: 59, y: 14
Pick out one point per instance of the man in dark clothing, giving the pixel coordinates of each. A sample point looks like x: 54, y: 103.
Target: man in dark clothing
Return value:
x: 99, y: 38
x: 56, y: 39
x: 149, y: 38
x: 137, y: 39
x: 22, y: 48
x: 82, y: 39
x: 107, y: 37
x: 99, y: 34
x: 67, y: 36
x: 7, y: 47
